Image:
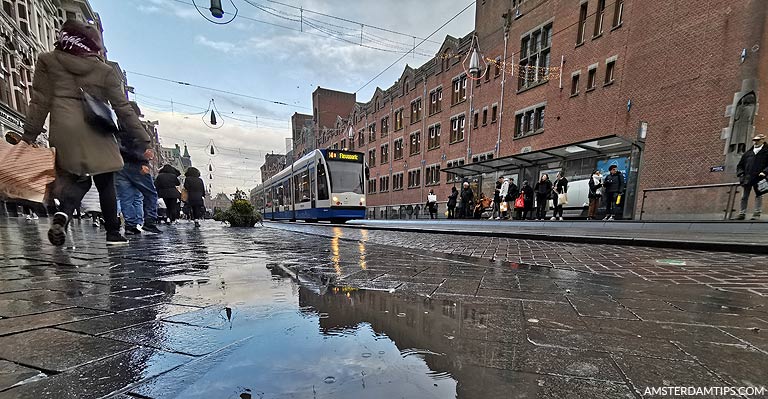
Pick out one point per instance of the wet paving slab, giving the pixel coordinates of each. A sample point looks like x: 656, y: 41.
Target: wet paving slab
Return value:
x: 228, y: 313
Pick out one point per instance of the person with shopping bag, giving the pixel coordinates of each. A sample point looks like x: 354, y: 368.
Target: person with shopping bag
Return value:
x: 559, y: 195
x: 79, y: 90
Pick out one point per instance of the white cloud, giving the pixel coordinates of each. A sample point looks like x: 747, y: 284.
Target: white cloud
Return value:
x: 169, y: 7
x: 224, y: 47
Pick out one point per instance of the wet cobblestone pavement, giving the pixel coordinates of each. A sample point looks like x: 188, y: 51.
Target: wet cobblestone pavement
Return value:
x: 274, y: 313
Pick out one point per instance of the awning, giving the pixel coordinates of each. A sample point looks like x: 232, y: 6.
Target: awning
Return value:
x: 585, y: 149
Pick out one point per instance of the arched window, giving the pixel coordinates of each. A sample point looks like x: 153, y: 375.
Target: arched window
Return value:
x: 446, y: 59
x: 405, y: 85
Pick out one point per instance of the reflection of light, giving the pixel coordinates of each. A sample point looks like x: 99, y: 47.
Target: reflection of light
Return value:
x: 361, y: 248
x: 337, y: 234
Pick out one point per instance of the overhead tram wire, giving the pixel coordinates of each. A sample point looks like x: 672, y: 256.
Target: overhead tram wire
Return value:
x: 182, y: 83
x: 414, y: 48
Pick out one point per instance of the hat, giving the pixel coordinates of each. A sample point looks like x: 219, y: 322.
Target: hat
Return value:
x: 758, y: 137
x: 612, y: 167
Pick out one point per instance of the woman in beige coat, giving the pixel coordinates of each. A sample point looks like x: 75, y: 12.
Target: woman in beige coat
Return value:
x: 83, y: 152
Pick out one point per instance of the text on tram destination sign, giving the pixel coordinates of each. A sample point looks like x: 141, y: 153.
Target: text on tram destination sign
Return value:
x: 344, y: 156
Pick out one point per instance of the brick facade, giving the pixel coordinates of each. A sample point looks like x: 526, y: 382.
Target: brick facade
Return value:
x: 675, y: 66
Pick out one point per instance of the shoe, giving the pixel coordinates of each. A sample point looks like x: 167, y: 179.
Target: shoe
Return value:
x: 610, y: 218
x: 95, y: 223
x: 132, y: 231
x: 57, y: 234
x: 606, y: 217
x: 29, y: 217
x: 197, y: 224
x: 151, y: 228
x: 561, y: 218
x: 553, y: 218
x: 741, y: 217
x: 35, y: 217
x: 755, y: 217
x: 498, y: 218
x: 116, y: 239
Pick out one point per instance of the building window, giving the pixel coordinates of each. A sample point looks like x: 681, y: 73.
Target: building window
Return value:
x: 535, y: 57
x: 475, y: 119
x: 335, y: 146
x: 436, y: 101
x: 398, y: 149
x: 371, y: 186
x: 591, y: 77
x: 618, y: 13
x: 372, y: 157
x: 575, y: 85
x: 415, y: 110
x: 383, y: 184
x: 610, y: 66
x: 494, y: 113
x: 385, y: 154
x: 459, y: 92
x: 397, y: 181
x: 482, y: 157
x: 371, y: 132
x: 432, y: 175
x: 384, y: 126
x: 485, y: 116
x: 529, y: 121
x: 488, y: 71
x: 434, y: 137
x: 414, y: 178
x: 8, y: 9
x: 457, y: 128
x: 343, y: 144
x: 398, y: 119
x: 361, y: 138
x: 447, y: 55
x: 415, y: 146
x: 406, y: 89
x: 582, y: 23
x: 599, y: 17
x: 450, y: 164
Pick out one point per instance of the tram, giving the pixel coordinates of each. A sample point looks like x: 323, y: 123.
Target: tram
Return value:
x: 322, y: 185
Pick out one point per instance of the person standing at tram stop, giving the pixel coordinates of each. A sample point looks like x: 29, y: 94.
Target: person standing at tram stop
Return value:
x: 431, y: 204
x: 560, y: 187
x: 452, y: 203
x: 613, y: 185
x: 752, y: 168
x: 496, y: 214
x: 595, y: 194
x: 543, y: 190
x: 195, y: 194
x: 467, y: 201
x: 526, y: 212
x: 85, y: 154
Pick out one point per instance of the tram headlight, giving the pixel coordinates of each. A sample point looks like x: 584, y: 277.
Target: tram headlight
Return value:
x: 335, y: 199
x: 362, y: 200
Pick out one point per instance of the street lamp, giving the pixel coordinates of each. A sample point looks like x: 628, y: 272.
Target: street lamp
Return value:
x: 216, y: 10
x: 474, y: 63
x: 351, y: 135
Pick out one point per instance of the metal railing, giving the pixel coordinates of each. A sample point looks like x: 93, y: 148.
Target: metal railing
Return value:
x: 698, y: 202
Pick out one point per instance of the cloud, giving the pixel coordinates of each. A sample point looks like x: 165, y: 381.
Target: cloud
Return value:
x: 240, y: 147
x: 169, y: 7
x: 224, y: 47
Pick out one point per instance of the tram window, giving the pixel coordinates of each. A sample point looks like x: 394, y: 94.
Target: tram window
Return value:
x: 287, y: 200
x: 322, y: 182
x: 304, y: 186
x: 346, y: 177
x: 280, y: 201
x: 269, y: 198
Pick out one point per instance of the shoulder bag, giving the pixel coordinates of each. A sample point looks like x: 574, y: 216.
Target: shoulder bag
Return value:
x: 98, y: 113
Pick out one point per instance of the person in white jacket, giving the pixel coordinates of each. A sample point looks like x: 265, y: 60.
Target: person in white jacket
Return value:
x: 91, y: 206
x: 503, y: 195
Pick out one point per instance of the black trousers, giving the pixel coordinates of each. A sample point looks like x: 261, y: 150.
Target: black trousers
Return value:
x: 70, y: 190
x: 610, y: 204
x: 172, y: 208
x: 451, y: 214
x: 541, y: 206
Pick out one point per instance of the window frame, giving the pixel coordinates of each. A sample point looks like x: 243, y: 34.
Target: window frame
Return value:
x: 535, y: 56
x: 397, y: 141
x: 436, y: 100
x: 414, y: 149
x: 530, y: 121
x: 433, y: 139
x: 416, y: 107
x: 592, y: 77
x: 581, y: 32
x: 618, y: 14
x: 461, y: 123
x: 599, y: 19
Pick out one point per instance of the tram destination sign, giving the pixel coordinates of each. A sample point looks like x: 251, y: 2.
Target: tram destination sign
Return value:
x: 345, y: 156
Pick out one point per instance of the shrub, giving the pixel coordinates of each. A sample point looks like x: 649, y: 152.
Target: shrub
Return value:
x: 241, y: 214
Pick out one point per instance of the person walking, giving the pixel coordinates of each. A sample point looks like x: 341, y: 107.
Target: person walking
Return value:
x: 452, y: 203
x: 467, y: 197
x: 167, y: 184
x: 560, y: 188
x: 752, y: 168
x: 432, y: 204
x: 497, y: 198
x: 595, y: 194
x: 136, y: 190
x: 195, y: 194
x: 85, y: 153
x: 613, y: 185
x: 543, y: 190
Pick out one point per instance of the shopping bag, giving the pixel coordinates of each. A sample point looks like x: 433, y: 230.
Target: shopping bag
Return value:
x: 520, y: 202
x: 504, y: 206
x: 25, y: 171
x: 184, y: 195
x: 762, y: 187
x: 562, y: 199
x: 618, y: 199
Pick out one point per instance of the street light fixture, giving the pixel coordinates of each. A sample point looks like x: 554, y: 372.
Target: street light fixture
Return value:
x: 474, y: 63
x: 216, y: 10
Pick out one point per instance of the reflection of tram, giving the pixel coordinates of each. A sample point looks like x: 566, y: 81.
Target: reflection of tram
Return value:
x: 322, y: 185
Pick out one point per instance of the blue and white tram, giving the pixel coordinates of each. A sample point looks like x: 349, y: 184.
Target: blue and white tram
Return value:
x: 322, y: 185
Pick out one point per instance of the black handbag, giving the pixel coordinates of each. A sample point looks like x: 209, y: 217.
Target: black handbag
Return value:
x: 98, y: 113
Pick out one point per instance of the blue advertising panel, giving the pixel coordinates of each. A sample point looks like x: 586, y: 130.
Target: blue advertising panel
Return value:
x: 622, y: 163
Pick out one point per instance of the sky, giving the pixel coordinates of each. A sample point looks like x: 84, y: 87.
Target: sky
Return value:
x: 273, y: 54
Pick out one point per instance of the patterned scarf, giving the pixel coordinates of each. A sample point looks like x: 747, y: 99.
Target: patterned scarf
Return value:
x: 76, y: 40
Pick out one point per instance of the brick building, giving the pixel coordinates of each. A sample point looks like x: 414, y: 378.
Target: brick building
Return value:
x: 668, y: 91
x: 302, y: 134
x: 273, y: 163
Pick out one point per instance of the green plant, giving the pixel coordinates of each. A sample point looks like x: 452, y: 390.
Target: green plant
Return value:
x: 218, y: 215
x: 241, y: 214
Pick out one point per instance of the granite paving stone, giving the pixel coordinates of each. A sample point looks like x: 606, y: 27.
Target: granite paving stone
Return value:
x: 12, y: 373
x: 32, y: 322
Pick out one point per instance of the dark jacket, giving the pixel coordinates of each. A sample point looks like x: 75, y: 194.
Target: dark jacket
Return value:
x: 613, y: 183
x: 561, y: 185
x: 452, y: 198
x: 496, y: 197
x: 751, y: 165
x: 80, y: 148
x: 467, y: 195
x: 593, y: 193
x: 131, y: 150
x: 543, y: 188
x: 528, y: 196
x: 167, y: 182
x: 512, y: 192
x: 195, y: 187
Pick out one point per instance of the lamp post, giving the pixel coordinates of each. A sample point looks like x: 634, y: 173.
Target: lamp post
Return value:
x: 351, y: 135
x: 216, y: 10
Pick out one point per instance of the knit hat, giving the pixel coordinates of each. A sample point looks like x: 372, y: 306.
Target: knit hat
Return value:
x: 79, y: 39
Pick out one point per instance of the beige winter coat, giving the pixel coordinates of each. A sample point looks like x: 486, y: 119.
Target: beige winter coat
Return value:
x: 80, y: 148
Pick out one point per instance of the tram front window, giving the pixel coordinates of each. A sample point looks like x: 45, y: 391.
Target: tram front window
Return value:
x: 346, y: 177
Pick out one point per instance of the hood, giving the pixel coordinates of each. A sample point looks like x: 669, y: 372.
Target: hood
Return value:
x: 193, y: 172
x: 77, y: 65
x: 170, y: 169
